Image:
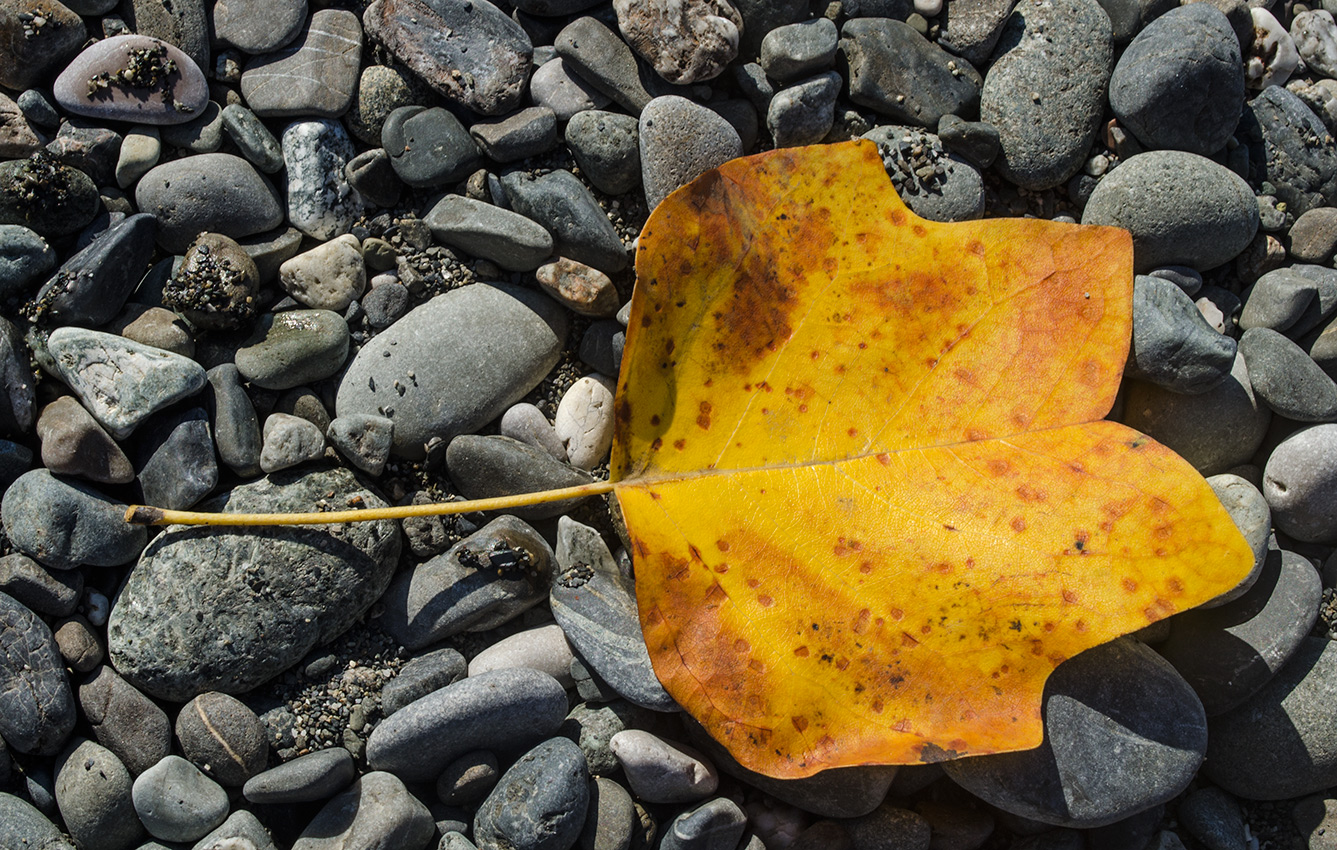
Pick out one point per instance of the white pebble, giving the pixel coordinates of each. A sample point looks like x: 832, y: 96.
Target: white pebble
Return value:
x: 928, y: 8
x: 661, y: 771
x: 1273, y: 56
x: 584, y: 420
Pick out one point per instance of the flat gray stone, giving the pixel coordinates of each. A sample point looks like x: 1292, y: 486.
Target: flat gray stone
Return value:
x: 1288, y: 148
x: 276, y: 592
x: 66, y: 524
x: 125, y: 721
x: 483, y: 230
x: 1300, y: 483
x: 314, y: 776
x: 539, y: 803
x: 258, y: 26
x: 1287, y: 378
x: 215, y: 192
x: 560, y: 202
x: 1172, y: 344
x: 314, y: 76
x: 24, y: 258
x: 37, y: 710
x: 21, y: 825
x: 606, y: 146
x: 293, y: 348
x: 898, y: 73
x: 377, y: 811
x: 55, y: 594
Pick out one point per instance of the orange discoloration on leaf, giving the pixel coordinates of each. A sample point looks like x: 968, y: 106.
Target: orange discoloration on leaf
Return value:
x: 899, y: 509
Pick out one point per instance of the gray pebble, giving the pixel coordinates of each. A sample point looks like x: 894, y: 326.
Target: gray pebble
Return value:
x: 140, y: 150
x: 1182, y: 209
x: 177, y: 465
x: 601, y: 346
x: 599, y: 57
x: 663, y: 771
x: 1213, y: 817
x: 1285, y: 377
x: 289, y: 441
x: 557, y: 88
x: 1287, y: 149
x: 214, y: 192
x: 93, y: 791
x: 606, y: 146
x: 954, y: 191
x: 479, y: 229
x: 429, y: 147
x: 24, y: 258
x: 314, y: 776
x: 178, y: 803
x: 201, y: 134
x: 125, y: 721
x: 803, y: 113
x: 1249, y: 510
x: 468, y: 779
x: 381, y: 89
x: 241, y: 831
x: 174, y: 99
x: 22, y: 825
x: 539, y: 803
x: 1172, y: 344
x: 424, y: 674
x: 184, y: 23
x: 542, y: 648
x: 314, y: 76
x: 221, y: 736
x: 78, y: 644
x: 976, y: 141
x: 1187, y: 279
x: 376, y: 811
x: 890, y: 826
x: 52, y: 593
x: 293, y: 348
x: 566, y: 209
x: 236, y: 427
x: 66, y: 524
x: 485, y: 466
x: 1300, y: 483
x: 520, y: 135
x: 898, y: 73
x: 258, y: 27
x: 503, y: 710
x: 716, y: 824
x: 37, y: 711
x: 252, y: 138
x: 1278, y: 300
x: 372, y: 175
x: 74, y: 444
x: 679, y: 140
x: 1313, y: 237
x: 363, y: 439
x: 611, y: 820
x: 972, y: 27
x: 798, y: 50
x: 70, y: 202
x: 90, y: 287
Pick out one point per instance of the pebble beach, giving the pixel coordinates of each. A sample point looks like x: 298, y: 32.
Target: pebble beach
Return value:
x: 316, y: 255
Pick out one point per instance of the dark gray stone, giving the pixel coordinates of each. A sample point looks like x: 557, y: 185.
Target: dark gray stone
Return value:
x: 93, y: 792
x: 957, y: 194
x: 896, y: 72
x: 529, y: 132
x: 611, y: 820
x: 596, y: 607
x: 490, y: 577
x: 1172, y: 344
x: 503, y: 710
x: 276, y: 592
x: 1324, y: 281
x: 254, y: 26
x: 216, y: 192
x: 561, y: 203
x: 1213, y: 817
x: 314, y: 76
x: 804, y: 113
x: 381, y: 90
x: 236, y: 426
x: 293, y: 348
x: 176, y: 461
x: 1120, y: 724
x: 221, y: 736
x: 28, y: 60
x: 23, y: 826
x: 468, y: 50
x: 970, y: 28
x: 679, y: 140
x: 372, y: 175
x: 424, y: 674
x: 125, y: 721
x: 66, y: 524
x: 716, y: 824
x: 1288, y: 148
x: 377, y: 811
x: 252, y: 138
x: 25, y: 257
x: 1285, y: 377
x: 539, y: 803
x: 434, y: 386
x: 483, y: 467
x: 483, y: 230
x: 65, y: 201
x: 1180, y: 83
x: 468, y: 779
x: 1045, y: 91
x: 184, y: 23
x: 974, y: 140
x: 91, y: 287
x: 599, y: 57
x: 1229, y: 652
x: 601, y: 346
x: 607, y: 149
x: 314, y: 776
x: 1181, y: 208
x: 18, y: 398
x: 55, y: 594
x: 429, y: 147
x: 37, y: 711
x: 1280, y: 742
x: 762, y: 16
x: 203, y: 133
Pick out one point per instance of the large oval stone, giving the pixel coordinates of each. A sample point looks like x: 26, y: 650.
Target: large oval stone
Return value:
x: 227, y: 609
x: 455, y: 363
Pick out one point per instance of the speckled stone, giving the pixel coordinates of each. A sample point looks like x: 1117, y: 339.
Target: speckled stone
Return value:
x: 321, y: 203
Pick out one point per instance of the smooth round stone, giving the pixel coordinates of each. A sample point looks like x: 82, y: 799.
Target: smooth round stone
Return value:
x: 804, y: 113
x: 544, y: 648
x: 714, y: 823
x: 679, y: 140
x: 579, y: 227
x: 381, y: 90
x: 526, y: 423
x: 487, y: 466
x: 1280, y: 743
x: 1278, y: 300
x: 1046, y: 88
x: 600, y: 57
x: 30, y: 53
x: 606, y: 146
x: 595, y: 605
x: 90, y: 287
x: 321, y: 204
x: 276, y: 594
x: 897, y: 72
x: 330, y: 276
x: 33, y: 586
x: 93, y: 792
x: 797, y: 50
x: 65, y: 524
x: 125, y: 721
x: 140, y: 151
x: 685, y: 42
x: 1181, y: 208
x: 424, y: 674
x: 1300, y: 483
x: 258, y: 27
x: 529, y: 132
x: 222, y: 737
x: 74, y: 444
x: 178, y: 803
x: 1313, y: 237
x: 661, y: 771
x: 289, y: 441
x: 471, y: 53
x: 24, y: 258
x: 164, y: 85
x: 314, y: 76
x: 216, y: 192
x: 1287, y: 149
x: 955, y: 195
x: 1249, y: 510
x: 489, y: 578
x: 429, y: 147
x: 314, y: 776
x: 539, y: 803
x: 484, y: 230
x: 236, y: 426
x: 1180, y: 83
x: 1228, y: 653
x: 376, y: 811
x: 1120, y: 724
x: 1172, y: 344
x: 1187, y: 279
x: 1285, y: 377
x: 22, y: 825
x: 37, y: 711
x: 364, y: 440
x: 252, y: 138
x: 584, y: 421
x: 293, y: 348
x: 175, y: 457
x: 50, y: 198
x: 432, y: 386
x: 554, y: 86
x: 503, y: 710
x: 612, y: 818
